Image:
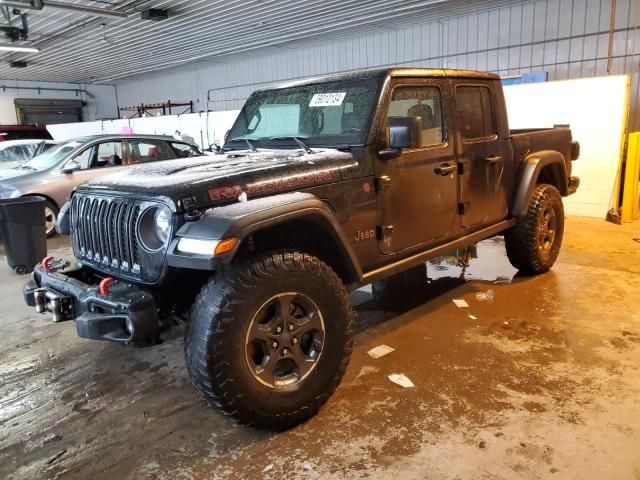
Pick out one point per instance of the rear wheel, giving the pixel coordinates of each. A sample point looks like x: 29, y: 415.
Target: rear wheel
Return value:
x: 268, y: 341
x: 534, y: 243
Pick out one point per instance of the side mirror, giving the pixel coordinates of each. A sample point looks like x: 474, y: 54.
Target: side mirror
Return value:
x: 405, y: 132
x: 402, y: 132
x: 70, y: 167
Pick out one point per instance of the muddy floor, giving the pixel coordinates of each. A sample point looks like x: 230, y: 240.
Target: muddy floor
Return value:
x: 538, y: 378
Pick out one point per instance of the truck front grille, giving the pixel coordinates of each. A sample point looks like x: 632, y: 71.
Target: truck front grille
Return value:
x: 105, y: 233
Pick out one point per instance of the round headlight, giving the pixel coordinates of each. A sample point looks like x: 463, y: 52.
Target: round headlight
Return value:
x: 162, y: 222
x: 154, y: 228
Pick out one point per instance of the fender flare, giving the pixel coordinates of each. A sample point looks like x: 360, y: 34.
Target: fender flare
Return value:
x: 529, y: 173
x: 245, y: 218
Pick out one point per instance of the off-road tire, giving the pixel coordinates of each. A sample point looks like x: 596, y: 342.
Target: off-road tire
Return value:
x: 524, y: 242
x: 216, y: 333
x: 397, y: 290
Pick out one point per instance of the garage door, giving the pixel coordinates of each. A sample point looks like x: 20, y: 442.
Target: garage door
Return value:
x: 48, y: 111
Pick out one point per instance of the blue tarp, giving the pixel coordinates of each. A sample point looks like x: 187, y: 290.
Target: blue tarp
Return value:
x: 526, y: 78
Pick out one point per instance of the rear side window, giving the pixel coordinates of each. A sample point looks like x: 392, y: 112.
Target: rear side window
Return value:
x: 475, y: 112
x: 143, y: 151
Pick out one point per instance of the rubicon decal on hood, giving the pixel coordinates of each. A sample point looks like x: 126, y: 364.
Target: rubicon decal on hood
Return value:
x: 275, y: 185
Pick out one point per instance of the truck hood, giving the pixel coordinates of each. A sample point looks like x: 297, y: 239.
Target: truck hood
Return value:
x: 222, y: 178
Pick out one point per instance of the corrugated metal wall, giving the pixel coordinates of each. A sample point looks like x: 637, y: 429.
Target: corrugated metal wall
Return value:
x: 566, y: 38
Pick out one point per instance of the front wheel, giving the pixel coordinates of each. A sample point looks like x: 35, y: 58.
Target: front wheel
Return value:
x: 269, y: 340
x: 534, y: 243
x: 51, y: 212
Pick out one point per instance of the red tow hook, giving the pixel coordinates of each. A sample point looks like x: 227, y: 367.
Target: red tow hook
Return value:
x: 104, y: 286
x: 46, y: 263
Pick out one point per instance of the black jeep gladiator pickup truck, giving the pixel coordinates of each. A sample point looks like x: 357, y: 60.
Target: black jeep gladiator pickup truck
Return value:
x: 322, y: 186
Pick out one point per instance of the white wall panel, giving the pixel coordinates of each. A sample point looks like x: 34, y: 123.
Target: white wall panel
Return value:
x: 205, y: 128
x: 598, y: 125
x: 567, y: 38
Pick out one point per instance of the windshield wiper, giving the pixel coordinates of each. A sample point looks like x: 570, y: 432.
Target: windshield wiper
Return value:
x: 248, y: 141
x: 26, y: 167
x: 296, y: 139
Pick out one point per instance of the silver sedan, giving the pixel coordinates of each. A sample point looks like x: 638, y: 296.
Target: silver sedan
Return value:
x: 55, y: 173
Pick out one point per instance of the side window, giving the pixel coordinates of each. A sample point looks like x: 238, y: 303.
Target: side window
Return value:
x: 83, y: 158
x: 109, y: 155
x: 475, y: 112
x: 184, y: 150
x: 424, y: 102
x: 143, y: 151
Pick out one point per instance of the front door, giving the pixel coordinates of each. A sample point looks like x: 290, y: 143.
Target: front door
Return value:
x: 94, y: 161
x: 483, y: 155
x: 418, y: 190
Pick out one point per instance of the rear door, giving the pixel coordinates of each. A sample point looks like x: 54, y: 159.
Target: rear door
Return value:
x: 482, y: 154
x: 418, y: 190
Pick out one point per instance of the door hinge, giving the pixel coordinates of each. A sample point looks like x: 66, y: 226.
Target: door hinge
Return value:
x: 460, y: 168
x: 384, y: 232
x: 462, y: 209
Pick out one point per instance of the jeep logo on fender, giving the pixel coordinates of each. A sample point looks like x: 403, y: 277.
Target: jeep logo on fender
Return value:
x: 364, y: 235
x: 278, y: 184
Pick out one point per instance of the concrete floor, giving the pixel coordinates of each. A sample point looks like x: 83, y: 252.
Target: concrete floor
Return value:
x: 544, y: 384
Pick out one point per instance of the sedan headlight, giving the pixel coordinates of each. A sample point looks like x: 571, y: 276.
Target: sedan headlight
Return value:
x: 154, y: 228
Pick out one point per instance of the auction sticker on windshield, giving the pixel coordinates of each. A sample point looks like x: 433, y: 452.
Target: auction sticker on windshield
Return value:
x: 327, y: 99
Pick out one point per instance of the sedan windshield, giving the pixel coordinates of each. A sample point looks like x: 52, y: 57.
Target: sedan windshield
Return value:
x: 335, y: 113
x: 51, y: 157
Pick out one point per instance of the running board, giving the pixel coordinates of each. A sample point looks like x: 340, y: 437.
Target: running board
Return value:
x: 440, y: 250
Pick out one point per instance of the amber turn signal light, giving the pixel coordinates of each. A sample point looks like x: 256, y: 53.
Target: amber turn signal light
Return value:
x: 226, y: 245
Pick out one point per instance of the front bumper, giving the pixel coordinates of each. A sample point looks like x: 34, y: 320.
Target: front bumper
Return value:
x: 126, y: 315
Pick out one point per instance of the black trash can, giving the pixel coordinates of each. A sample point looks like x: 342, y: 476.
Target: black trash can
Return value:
x: 23, y: 230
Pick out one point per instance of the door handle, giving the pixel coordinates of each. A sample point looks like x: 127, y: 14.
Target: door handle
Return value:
x: 445, y: 169
x: 493, y: 158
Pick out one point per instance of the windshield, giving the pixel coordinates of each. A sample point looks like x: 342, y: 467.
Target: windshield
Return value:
x: 51, y: 157
x: 324, y: 114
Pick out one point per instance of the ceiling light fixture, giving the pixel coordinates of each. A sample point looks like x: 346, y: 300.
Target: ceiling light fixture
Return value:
x: 18, y: 48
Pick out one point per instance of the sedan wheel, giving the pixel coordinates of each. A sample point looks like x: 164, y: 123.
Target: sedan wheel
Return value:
x: 50, y: 217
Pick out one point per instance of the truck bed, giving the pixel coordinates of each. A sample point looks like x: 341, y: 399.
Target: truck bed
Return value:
x: 530, y: 140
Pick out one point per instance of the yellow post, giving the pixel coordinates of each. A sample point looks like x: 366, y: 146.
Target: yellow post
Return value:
x: 630, y: 200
